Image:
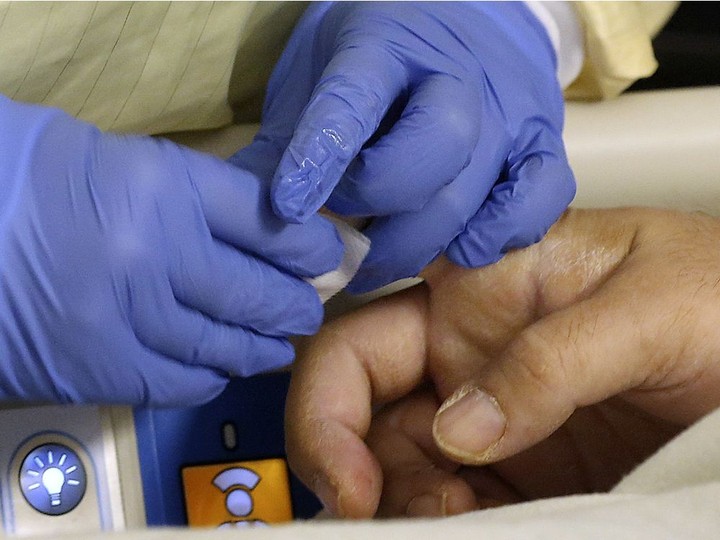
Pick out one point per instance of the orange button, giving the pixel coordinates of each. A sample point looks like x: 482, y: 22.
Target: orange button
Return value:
x: 237, y: 494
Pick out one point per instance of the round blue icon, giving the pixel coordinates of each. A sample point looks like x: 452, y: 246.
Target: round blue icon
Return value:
x: 52, y: 479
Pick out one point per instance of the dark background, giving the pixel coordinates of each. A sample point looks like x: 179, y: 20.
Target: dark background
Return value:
x: 687, y: 49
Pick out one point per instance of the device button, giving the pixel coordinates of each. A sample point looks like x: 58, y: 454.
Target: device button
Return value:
x: 52, y: 479
x: 240, y: 494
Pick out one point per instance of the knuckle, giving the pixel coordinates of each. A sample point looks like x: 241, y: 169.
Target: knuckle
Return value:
x: 454, y: 125
x: 131, y: 248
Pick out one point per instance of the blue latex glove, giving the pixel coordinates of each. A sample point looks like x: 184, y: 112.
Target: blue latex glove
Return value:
x: 442, y: 119
x: 134, y: 270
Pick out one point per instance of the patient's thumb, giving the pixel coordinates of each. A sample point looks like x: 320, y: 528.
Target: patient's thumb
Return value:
x: 569, y: 359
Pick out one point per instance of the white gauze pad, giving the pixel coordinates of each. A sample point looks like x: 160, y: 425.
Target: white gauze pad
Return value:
x: 357, y: 246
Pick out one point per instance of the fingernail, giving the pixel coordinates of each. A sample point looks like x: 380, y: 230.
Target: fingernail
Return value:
x: 426, y: 506
x: 328, y: 496
x: 469, y: 424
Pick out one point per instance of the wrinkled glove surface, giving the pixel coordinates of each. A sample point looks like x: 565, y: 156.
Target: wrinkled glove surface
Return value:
x: 441, y: 120
x: 134, y: 270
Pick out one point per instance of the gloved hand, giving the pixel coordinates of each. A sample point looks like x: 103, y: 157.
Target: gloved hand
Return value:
x: 134, y: 270
x: 443, y: 120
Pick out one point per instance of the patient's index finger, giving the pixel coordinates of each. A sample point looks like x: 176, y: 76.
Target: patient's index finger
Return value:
x: 374, y: 354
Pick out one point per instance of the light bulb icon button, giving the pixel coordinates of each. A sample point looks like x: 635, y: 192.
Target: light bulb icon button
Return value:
x: 52, y: 479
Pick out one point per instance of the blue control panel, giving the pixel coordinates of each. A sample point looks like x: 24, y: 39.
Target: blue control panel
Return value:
x: 242, y: 429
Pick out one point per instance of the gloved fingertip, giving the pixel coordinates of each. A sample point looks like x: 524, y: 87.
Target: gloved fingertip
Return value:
x: 308, y: 318
x: 362, y: 283
x: 377, y: 271
x: 217, y: 387
x: 276, y: 354
x: 326, y: 259
x: 367, y: 281
x: 468, y: 254
x: 289, y: 209
x: 285, y: 356
x: 207, y: 384
x: 297, y: 192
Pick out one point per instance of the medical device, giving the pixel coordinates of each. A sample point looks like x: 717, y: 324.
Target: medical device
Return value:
x: 84, y: 468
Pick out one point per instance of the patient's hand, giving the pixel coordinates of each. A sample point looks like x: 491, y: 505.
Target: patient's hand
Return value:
x: 611, y: 322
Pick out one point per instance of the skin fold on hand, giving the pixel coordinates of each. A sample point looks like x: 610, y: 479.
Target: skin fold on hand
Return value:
x: 597, y: 345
